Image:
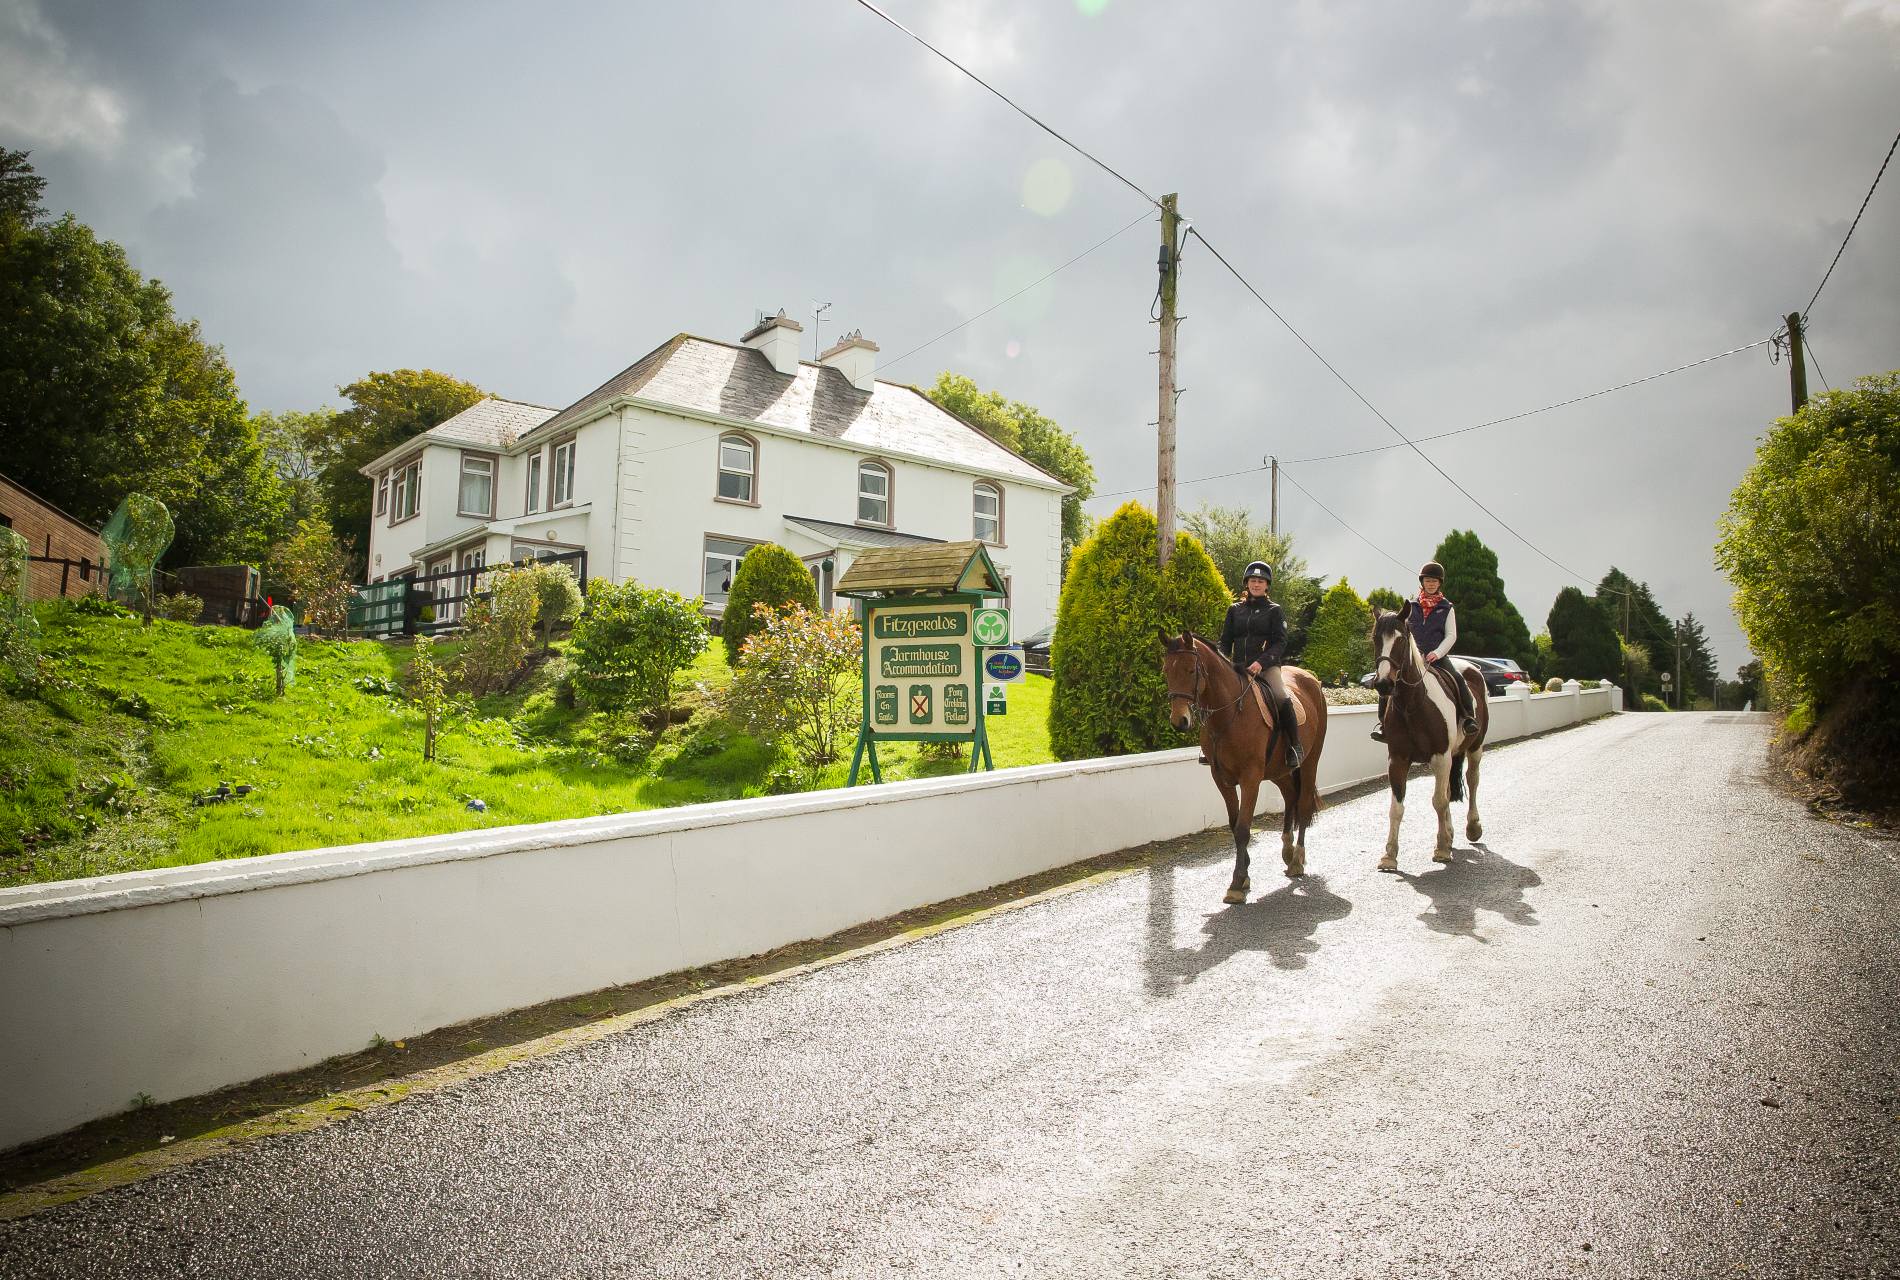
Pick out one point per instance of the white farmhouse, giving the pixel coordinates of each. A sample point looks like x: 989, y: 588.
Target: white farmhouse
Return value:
x: 671, y: 469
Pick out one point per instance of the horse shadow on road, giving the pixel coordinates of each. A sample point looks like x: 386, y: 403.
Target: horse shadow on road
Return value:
x: 1478, y: 879
x: 1284, y: 924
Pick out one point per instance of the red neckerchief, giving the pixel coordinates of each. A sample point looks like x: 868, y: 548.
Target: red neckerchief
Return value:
x: 1430, y: 603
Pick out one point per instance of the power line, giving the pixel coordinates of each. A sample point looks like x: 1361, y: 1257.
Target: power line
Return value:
x: 1335, y: 515
x: 1343, y: 381
x: 1099, y: 163
x: 1809, y: 347
x: 1850, y: 230
x: 1012, y: 297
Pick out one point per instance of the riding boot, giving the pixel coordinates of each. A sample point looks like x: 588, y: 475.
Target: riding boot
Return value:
x: 1467, y: 714
x: 1378, y: 724
x: 1290, y: 726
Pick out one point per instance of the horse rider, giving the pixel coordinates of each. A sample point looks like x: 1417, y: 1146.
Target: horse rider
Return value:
x: 1253, y: 638
x: 1434, y: 630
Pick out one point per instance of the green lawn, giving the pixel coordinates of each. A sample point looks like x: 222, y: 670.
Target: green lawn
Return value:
x: 100, y: 779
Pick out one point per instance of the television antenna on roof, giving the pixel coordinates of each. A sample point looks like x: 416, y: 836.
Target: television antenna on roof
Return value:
x: 818, y: 310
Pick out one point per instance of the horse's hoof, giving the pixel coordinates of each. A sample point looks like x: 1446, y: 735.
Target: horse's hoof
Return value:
x: 1441, y: 855
x: 1389, y: 863
x: 1234, y: 897
x: 1474, y: 831
x: 1294, y: 870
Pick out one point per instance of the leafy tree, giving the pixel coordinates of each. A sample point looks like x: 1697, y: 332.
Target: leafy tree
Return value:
x: 1339, y: 645
x: 1648, y: 626
x: 1583, y: 646
x: 1698, y: 660
x: 629, y: 643
x: 136, y: 538
x: 104, y: 391
x: 500, y: 629
x: 1234, y: 539
x: 1489, y: 625
x: 430, y: 689
x: 19, y: 629
x: 311, y: 569
x: 1109, y: 692
x: 558, y: 595
x: 385, y: 410
x: 1811, y: 541
x: 1636, y: 674
x: 1751, y: 685
x: 1385, y: 598
x: 278, y: 639
x: 293, y: 445
x: 1543, y: 663
x: 1024, y: 430
x: 768, y: 575
x: 797, y: 683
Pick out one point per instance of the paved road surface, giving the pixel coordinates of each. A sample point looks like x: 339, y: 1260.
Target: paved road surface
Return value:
x: 1647, y: 1028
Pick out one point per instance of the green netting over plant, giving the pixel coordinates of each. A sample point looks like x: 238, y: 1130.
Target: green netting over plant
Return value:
x: 278, y: 638
x: 135, y: 537
x: 18, y: 626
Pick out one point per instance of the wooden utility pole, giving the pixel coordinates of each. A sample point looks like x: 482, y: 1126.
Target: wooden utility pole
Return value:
x: 1164, y: 456
x: 1797, y: 362
x: 1273, y: 508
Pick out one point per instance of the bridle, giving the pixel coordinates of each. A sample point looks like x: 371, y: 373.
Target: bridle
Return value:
x: 1399, y: 670
x: 1197, y: 711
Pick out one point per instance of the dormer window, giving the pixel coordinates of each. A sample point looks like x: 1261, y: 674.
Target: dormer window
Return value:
x: 874, y: 494
x: 738, y: 469
x: 987, y: 512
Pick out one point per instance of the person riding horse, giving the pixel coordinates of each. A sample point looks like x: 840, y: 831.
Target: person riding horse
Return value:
x: 1253, y: 638
x: 1434, y: 630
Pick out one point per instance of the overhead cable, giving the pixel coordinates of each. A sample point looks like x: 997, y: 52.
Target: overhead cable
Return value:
x: 1095, y: 160
x: 1850, y: 230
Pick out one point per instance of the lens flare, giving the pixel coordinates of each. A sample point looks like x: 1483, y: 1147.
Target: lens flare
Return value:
x: 1047, y: 187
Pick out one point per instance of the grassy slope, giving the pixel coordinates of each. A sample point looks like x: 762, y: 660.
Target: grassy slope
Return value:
x: 102, y: 781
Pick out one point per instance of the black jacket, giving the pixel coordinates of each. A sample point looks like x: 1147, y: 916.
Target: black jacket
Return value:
x: 1255, y: 631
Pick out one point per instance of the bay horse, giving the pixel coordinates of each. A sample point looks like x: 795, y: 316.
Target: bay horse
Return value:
x: 1421, y: 727
x: 1240, y: 749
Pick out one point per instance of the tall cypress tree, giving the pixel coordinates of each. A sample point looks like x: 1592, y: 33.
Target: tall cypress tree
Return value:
x: 1583, y: 645
x: 1649, y: 628
x: 1489, y: 625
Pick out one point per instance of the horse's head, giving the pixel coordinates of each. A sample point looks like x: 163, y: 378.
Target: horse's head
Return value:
x: 1181, y: 668
x: 1391, y: 645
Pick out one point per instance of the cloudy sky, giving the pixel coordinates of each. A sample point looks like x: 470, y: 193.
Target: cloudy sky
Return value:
x: 1471, y: 209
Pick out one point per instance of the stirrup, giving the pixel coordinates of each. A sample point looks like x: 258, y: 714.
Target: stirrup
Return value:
x: 1469, y: 724
x: 1378, y: 733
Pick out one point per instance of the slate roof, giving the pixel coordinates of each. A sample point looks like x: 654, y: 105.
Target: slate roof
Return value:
x: 491, y: 423
x: 739, y: 383
x: 860, y: 534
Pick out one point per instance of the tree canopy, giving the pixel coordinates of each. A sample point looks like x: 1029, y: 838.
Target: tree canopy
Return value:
x: 104, y: 391
x: 1583, y: 645
x: 1025, y: 430
x: 1697, y: 659
x: 1489, y: 625
x: 1339, y: 643
x: 1649, y: 626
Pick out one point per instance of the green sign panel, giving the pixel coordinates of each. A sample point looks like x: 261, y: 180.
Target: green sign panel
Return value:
x: 991, y: 627
x: 920, y: 703
x: 920, y: 624
x: 996, y: 704
x: 956, y: 705
x: 884, y: 706
x: 915, y: 661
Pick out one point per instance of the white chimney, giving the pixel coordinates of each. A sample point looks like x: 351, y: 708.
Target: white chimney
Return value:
x: 855, y: 357
x: 777, y: 337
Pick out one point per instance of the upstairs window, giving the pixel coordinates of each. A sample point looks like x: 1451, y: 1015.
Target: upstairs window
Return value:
x: 563, y: 473
x: 874, y: 493
x: 407, y: 498
x: 738, y: 468
x: 988, y: 513
x: 477, y: 494
x: 533, y: 504
x: 382, y: 494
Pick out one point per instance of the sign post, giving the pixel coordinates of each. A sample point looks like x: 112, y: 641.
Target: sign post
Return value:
x: 925, y: 633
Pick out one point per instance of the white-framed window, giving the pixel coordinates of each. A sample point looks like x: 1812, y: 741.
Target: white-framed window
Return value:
x: 738, y: 468
x: 563, y: 473
x: 476, y: 497
x: 987, y: 512
x: 874, y: 493
x: 533, y: 503
x: 407, y: 498
x: 382, y: 494
x: 722, y: 561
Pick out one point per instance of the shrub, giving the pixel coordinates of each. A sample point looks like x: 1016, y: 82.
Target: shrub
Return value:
x: 1553, y: 685
x: 500, y: 629
x: 1339, y: 643
x: 19, y: 630
x: 1652, y: 703
x: 135, y: 537
x: 797, y: 681
x: 278, y: 639
x: 771, y: 576
x: 1109, y: 696
x: 558, y: 597
x: 630, y: 642
x: 430, y: 693
x: 315, y: 573
x: 181, y: 607
x: 1582, y: 640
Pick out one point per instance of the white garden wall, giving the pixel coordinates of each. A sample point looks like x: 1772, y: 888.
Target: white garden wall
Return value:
x: 179, y: 981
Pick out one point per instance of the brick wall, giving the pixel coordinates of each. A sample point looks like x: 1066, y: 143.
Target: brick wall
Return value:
x: 51, y: 532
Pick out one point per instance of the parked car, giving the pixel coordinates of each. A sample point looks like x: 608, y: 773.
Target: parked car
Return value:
x: 1499, y: 674
x: 1036, y: 651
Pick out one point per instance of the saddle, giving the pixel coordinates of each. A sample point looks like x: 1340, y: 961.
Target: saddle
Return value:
x: 1262, y: 699
x: 1446, y: 677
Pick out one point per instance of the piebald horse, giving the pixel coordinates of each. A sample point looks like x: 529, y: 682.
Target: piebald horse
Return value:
x: 1421, y: 727
x: 1242, y: 752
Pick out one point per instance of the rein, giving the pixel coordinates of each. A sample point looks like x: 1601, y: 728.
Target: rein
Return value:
x: 1193, y: 696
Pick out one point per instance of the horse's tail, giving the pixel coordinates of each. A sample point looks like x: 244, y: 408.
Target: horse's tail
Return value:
x: 1458, y: 777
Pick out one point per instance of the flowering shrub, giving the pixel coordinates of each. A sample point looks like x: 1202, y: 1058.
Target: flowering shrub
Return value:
x: 797, y: 680
x: 500, y: 630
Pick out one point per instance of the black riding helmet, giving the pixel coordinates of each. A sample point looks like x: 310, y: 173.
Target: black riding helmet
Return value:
x: 1432, y: 569
x: 1258, y: 569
